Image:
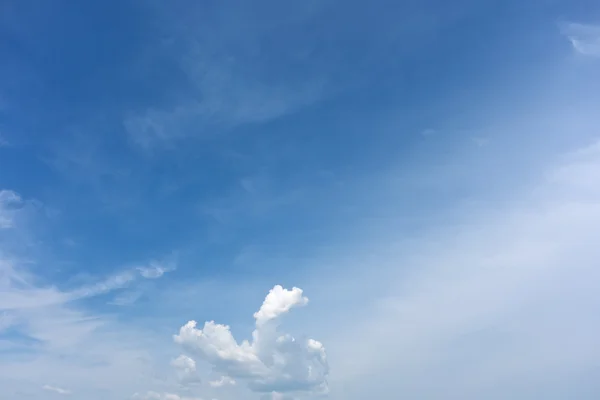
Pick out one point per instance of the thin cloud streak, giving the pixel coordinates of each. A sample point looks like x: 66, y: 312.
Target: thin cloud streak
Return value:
x: 55, y: 389
x: 511, y: 280
x: 585, y: 38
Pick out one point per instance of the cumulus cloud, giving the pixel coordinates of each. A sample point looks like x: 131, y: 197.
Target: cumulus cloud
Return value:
x: 271, y: 362
x: 55, y: 389
x: 186, y: 369
x: 279, y: 301
x: 585, y: 38
x: 184, y: 363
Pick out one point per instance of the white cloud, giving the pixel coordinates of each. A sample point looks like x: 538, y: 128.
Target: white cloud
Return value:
x: 277, y: 396
x: 585, y: 38
x: 9, y: 202
x: 184, y: 363
x: 56, y: 390
x: 161, y: 396
x: 92, y: 353
x: 228, y: 103
x: 279, y: 301
x: 66, y: 343
x: 20, y: 289
x: 126, y: 298
x: 9, y: 197
x: 222, y: 381
x: 227, y: 88
x: 186, y: 369
x: 496, y: 307
x: 154, y: 270
x: 117, y: 281
x: 51, y: 335
x: 272, y: 361
x: 6, y: 320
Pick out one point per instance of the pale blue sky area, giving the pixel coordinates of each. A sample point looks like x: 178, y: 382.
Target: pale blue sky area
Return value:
x: 424, y: 170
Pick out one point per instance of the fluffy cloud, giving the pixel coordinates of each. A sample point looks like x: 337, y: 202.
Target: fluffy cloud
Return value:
x: 279, y: 301
x: 184, y: 363
x: 272, y: 362
x: 186, y: 369
x: 56, y: 390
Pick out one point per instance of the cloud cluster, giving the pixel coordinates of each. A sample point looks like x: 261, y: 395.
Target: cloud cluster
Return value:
x: 271, y: 362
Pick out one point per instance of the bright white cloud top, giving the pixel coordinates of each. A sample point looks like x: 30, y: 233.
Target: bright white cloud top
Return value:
x: 272, y: 361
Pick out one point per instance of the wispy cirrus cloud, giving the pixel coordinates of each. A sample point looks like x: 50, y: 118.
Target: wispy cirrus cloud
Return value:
x: 6, y: 320
x: 20, y: 291
x: 155, y: 269
x: 585, y: 38
x: 226, y: 82
x: 45, y: 330
x: 9, y: 201
x: 56, y: 389
x: 227, y: 85
x: 225, y: 105
x: 508, y: 284
x: 126, y: 299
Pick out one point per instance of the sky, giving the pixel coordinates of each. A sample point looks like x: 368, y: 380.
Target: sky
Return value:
x: 299, y: 200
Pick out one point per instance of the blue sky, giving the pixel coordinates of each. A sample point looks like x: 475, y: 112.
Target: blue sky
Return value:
x: 424, y: 171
